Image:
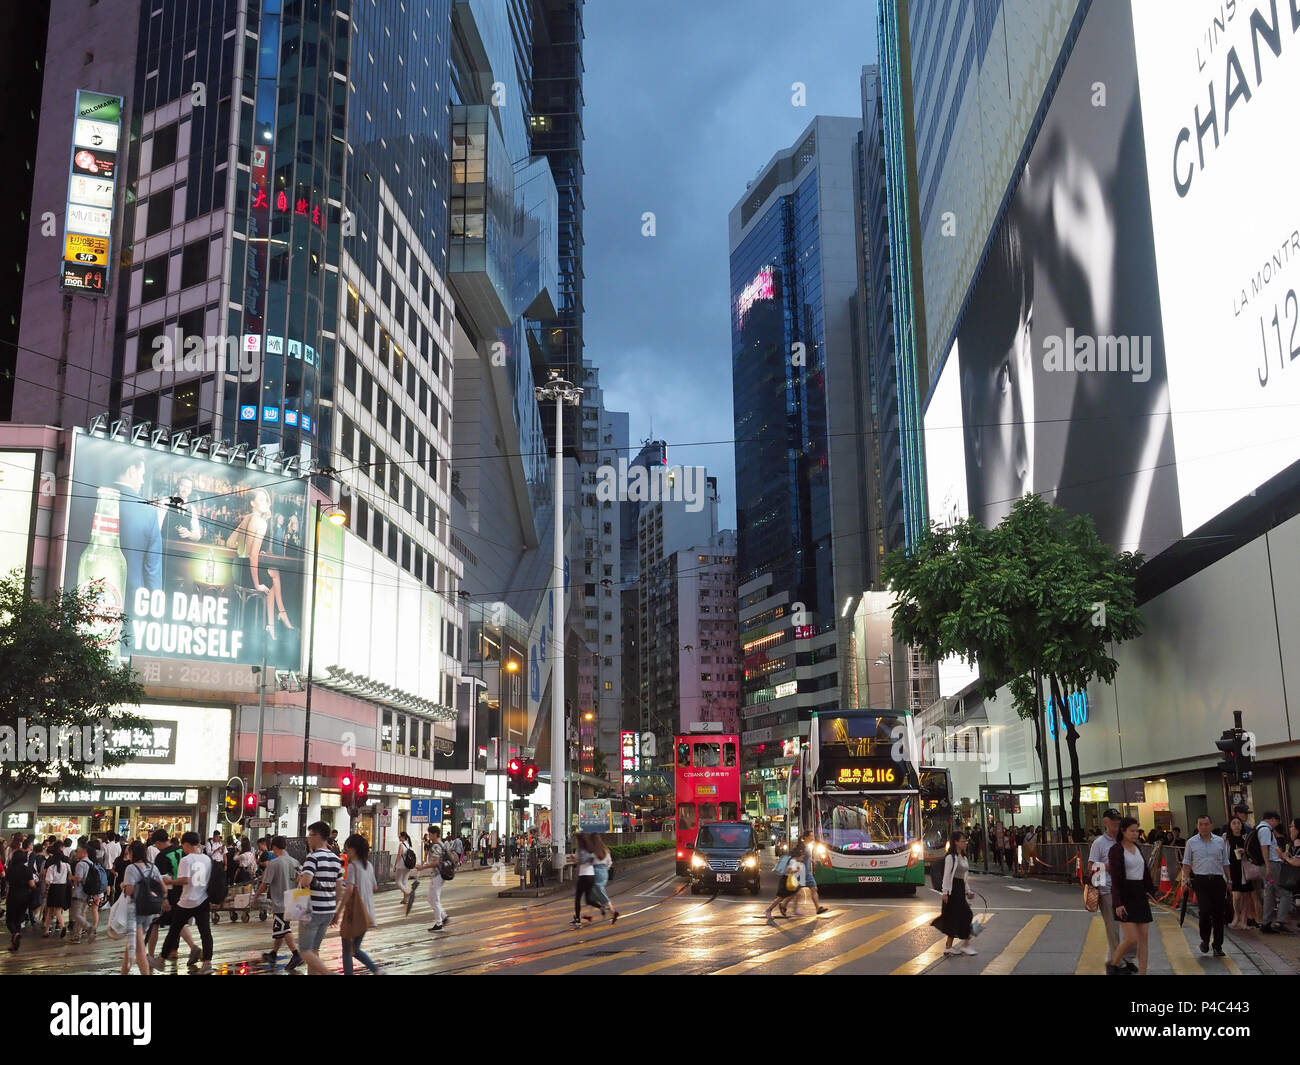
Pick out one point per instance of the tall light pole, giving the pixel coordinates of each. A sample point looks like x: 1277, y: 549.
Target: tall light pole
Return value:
x: 335, y: 516
x: 562, y: 391
x: 886, y: 659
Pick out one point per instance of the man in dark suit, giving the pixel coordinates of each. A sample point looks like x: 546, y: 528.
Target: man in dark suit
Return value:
x: 140, y: 535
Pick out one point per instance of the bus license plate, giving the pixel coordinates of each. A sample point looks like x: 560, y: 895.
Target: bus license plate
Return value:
x: 871, y: 880
x: 724, y: 878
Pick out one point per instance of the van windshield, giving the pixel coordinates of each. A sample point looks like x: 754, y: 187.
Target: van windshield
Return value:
x: 736, y: 836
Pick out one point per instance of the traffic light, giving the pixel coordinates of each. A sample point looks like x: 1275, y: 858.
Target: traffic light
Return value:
x: 233, y: 801
x: 363, y: 786
x: 529, y: 782
x: 514, y: 775
x: 348, y: 788
x: 1237, y: 747
x: 250, y: 805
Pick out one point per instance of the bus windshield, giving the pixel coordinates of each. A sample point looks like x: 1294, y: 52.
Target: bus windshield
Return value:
x: 858, y: 824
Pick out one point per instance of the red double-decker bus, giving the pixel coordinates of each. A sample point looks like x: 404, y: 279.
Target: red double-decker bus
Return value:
x: 706, y: 777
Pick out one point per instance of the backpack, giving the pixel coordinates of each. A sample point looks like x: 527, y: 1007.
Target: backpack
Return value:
x: 446, y: 865
x: 149, y: 893
x: 217, y: 886
x: 408, y: 858
x: 93, y: 883
x: 1254, y: 851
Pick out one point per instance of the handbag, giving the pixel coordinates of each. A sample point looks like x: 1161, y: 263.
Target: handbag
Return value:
x: 791, y: 882
x: 1091, y: 898
x: 609, y: 876
x: 297, y: 904
x: 119, y: 917
x: 356, y: 919
x: 1250, y: 871
x: 1288, y: 877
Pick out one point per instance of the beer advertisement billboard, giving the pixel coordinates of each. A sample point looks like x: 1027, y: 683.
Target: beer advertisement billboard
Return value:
x: 202, y: 560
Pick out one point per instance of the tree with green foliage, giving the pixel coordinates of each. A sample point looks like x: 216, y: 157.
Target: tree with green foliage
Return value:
x: 59, y: 678
x: 1039, y: 598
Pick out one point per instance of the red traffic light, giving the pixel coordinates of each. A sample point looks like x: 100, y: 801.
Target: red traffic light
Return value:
x: 250, y: 801
x: 362, y: 785
x: 346, y: 781
x: 530, y: 772
x: 513, y: 767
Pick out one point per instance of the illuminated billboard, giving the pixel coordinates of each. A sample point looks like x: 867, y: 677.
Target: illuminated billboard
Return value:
x: 198, y: 559
x: 18, y: 481
x: 1125, y: 350
x: 88, y: 226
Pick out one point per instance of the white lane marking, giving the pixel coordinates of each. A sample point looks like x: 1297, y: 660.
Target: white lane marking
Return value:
x: 1026, y: 890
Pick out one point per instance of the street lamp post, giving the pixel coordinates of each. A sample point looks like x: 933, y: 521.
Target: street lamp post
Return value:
x: 560, y: 390
x: 886, y: 659
x: 335, y: 516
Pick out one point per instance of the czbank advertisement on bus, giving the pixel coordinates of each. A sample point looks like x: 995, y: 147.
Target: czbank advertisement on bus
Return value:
x: 200, y: 560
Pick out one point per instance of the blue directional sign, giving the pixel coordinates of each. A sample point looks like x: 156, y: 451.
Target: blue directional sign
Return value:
x: 426, y: 811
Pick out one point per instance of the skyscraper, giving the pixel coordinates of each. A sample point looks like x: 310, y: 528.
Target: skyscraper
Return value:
x: 798, y: 426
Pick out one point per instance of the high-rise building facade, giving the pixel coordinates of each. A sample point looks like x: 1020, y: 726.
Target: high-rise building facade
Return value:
x: 801, y: 414
x: 875, y: 308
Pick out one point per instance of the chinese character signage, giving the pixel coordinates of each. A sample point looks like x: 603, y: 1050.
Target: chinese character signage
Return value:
x: 631, y: 752
x: 154, y: 744
x: 868, y: 774
x: 88, y: 226
x: 192, y: 559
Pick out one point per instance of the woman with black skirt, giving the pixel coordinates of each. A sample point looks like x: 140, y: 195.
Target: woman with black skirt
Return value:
x: 1131, y: 887
x: 955, y: 918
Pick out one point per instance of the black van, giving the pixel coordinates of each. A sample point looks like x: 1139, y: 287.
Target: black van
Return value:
x: 726, y: 855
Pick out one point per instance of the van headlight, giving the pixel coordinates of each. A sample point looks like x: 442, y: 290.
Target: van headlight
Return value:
x: 750, y: 863
x: 698, y: 863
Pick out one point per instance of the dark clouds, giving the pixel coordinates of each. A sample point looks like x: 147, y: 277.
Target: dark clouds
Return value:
x: 685, y: 101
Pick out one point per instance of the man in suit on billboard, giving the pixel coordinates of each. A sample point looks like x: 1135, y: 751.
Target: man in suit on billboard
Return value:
x: 140, y: 537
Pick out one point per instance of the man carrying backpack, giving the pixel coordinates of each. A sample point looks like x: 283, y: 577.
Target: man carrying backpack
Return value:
x: 87, y: 883
x: 195, y: 872
x: 1262, y: 848
x: 436, y: 854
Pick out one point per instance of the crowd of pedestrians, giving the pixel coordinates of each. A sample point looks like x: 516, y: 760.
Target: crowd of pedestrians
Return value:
x: 171, y: 885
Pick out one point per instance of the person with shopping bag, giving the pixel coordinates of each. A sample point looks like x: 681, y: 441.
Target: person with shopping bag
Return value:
x: 789, y: 880
x: 356, y: 910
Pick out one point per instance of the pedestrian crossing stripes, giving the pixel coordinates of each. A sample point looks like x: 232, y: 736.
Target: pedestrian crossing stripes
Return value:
x: 1019, y: 946
x: 929, y: 956
x: 872, y: 945
x: 815, y: 940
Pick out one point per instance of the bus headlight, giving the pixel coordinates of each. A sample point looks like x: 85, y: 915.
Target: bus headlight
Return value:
x: 820, y: 850
x: 914, y: 854
x: 698, y: 863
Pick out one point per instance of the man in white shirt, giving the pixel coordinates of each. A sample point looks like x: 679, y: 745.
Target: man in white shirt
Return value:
x: 1098, y: 859
x: 215, y: 848
x: 193, y: 874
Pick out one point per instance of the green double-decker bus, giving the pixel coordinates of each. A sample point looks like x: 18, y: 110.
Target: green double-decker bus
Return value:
x: 854, y: 786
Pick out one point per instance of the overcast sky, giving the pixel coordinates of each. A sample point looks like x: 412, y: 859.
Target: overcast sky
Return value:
x: 685, y: 101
